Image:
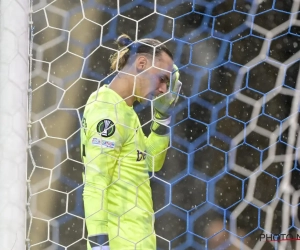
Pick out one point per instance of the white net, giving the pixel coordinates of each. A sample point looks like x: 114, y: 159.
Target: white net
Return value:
x: 231, y: 172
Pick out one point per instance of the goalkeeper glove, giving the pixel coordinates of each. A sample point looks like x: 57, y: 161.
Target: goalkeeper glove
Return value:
x: 164, y: 105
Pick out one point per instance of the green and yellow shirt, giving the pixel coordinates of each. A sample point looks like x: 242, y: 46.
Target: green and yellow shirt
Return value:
x: 118, y: 158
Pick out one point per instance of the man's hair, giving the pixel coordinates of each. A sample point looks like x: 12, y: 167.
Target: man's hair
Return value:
x: 128, y: 48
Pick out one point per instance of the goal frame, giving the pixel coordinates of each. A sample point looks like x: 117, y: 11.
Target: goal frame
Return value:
x: 14, y: 82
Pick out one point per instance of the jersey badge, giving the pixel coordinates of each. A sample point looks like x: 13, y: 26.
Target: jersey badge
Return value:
x: 106, y: 128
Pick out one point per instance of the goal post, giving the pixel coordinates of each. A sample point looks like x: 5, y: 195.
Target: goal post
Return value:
x: 14, y: 44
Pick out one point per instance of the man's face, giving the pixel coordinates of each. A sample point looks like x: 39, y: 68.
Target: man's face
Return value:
x: 155, y: 80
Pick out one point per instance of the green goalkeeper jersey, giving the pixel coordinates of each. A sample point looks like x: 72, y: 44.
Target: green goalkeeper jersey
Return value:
x: 118, y: 157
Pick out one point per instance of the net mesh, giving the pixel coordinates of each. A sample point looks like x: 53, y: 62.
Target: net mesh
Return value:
x: 231, y: 171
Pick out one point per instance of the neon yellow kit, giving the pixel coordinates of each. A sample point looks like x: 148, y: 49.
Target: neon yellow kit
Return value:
x: 118, y: 158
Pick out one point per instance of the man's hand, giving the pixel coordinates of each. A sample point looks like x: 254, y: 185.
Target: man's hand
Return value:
x: 164, y: 104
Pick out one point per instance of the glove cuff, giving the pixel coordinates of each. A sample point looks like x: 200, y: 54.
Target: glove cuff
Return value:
x: 160, y: 126
x: 165, y: 121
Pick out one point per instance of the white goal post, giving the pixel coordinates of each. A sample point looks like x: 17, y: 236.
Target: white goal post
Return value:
x: 14, y: 44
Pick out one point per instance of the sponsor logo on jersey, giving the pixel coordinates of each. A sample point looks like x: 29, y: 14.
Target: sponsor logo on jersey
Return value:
x: 140, y: 155
x: 106, y: 128
x: 103, y: 143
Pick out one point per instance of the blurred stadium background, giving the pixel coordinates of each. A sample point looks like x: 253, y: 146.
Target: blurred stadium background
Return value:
x: 233, y: 140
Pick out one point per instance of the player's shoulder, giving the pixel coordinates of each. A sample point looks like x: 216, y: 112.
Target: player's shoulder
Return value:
x: 107, y: 104
x: 103, y: 99
x: 103, y: 96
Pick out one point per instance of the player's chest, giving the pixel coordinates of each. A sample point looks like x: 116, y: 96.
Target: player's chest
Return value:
x: 134, y: 150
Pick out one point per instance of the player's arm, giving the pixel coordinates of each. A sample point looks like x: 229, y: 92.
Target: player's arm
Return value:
x: 156, y: 149
x: 158, y: 140
x: 101, y: 141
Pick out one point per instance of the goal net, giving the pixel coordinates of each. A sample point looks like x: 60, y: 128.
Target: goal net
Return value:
x: 231, y: 175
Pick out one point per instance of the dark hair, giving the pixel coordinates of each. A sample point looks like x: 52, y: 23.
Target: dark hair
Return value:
x: 128, y: 48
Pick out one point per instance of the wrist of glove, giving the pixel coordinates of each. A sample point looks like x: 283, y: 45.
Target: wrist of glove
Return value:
x: 163, y: 105
x: 160, y: 125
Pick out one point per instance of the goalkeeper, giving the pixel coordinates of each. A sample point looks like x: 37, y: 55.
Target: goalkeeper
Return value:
x: 116, y: 153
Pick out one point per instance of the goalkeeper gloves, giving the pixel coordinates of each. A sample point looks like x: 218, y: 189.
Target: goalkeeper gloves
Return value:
x: 164, y: 105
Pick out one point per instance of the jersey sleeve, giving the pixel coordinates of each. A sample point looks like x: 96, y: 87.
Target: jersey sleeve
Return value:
x: 156, y: 148
x: 102, y: 137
